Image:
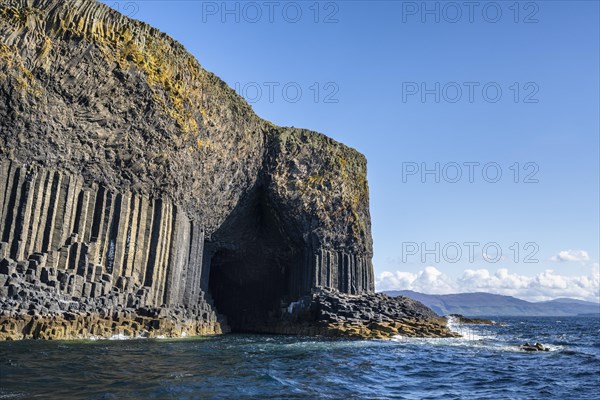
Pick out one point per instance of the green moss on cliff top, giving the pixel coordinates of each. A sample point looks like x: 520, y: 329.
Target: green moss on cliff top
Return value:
x: 326, y: 177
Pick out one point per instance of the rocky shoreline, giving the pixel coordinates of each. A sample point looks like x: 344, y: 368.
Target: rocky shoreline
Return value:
x: 329, y: 313
x: 121, y: 324
x: 38, y: 303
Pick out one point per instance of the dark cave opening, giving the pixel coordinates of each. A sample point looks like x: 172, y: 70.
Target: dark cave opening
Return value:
x: 252, y: 263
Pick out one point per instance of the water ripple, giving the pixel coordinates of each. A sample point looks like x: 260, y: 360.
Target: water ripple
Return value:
x: 490, y: 366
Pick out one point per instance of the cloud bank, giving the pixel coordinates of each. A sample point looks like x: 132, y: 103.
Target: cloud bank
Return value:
x: 546, y: 285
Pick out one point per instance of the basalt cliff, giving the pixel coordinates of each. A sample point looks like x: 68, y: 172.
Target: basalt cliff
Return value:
x: 140, y: 195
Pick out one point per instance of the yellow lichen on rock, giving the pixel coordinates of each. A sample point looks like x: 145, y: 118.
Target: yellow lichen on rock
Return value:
x: 18, y: 15
x: 24, y: 78
x: 152, y: 55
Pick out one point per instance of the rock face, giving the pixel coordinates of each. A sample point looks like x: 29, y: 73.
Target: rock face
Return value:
x: 131, y: 179
x: 328, y: 312
x: 461, y: 319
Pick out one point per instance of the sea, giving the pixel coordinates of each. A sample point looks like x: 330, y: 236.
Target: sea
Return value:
x: 485, y: 364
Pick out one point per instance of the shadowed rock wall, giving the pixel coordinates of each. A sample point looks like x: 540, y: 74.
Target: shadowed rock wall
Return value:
x: 88, y: 239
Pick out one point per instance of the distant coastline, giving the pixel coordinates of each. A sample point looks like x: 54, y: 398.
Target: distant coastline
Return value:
x: 487, y: 304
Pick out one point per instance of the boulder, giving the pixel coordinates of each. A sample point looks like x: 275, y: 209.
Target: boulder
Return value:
x: 534, y: 347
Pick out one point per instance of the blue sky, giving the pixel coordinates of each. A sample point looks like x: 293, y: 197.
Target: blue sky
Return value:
x: 362, y: 67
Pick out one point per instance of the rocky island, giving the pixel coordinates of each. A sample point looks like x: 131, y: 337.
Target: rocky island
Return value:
x: 141, y: 196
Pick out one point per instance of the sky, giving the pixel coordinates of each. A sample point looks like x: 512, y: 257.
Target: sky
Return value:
x: 479, y: 121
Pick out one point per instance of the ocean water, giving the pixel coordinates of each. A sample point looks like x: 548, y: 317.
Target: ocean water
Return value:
x: 486, y: 364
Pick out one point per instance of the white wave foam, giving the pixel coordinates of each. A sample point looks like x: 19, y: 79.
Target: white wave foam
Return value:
x: 467, y: 332
x: 452, y: 323
x: 470, y: 336
x: 478, y: 341
x: 119, y: 336
x: 11, y: 395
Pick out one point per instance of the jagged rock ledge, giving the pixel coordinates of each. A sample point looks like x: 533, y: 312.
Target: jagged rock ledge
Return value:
x: 328, y: 312
x: 461, y: 319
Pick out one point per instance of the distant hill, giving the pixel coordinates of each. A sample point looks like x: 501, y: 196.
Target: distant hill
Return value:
x: 487, y: 304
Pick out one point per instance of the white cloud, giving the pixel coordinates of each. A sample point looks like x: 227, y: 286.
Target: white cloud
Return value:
x: 571, y: 255
x: 543, y: 286
x: 430, y: 279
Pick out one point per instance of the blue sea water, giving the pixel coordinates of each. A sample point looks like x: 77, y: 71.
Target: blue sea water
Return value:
x: 485, y: 364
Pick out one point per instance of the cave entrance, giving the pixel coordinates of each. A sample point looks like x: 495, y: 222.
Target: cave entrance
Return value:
x: 252, y: 261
